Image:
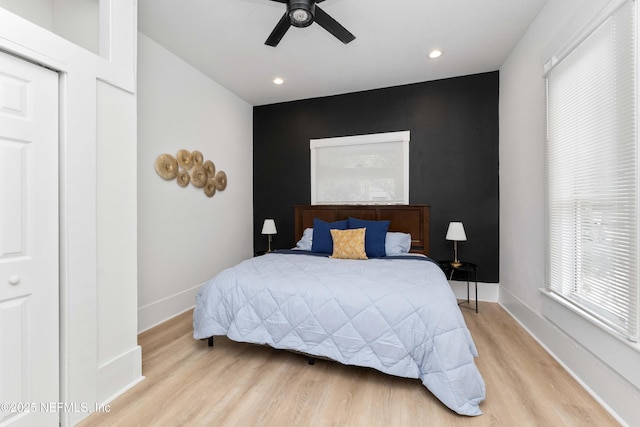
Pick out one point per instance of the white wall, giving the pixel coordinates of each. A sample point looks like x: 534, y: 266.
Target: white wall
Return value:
x: 78, y: 21
x: 522, y: 250
x: 98, y: 297
x: 40, y: 12
x: 185, y: 238
x: 75, y: 20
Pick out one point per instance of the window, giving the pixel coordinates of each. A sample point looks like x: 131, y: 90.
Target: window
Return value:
x: 367, y: 169
x: 592, y: 175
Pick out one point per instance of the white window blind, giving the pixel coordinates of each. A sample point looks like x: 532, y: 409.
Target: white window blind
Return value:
x: 592, y: 191
x: 367, y: 169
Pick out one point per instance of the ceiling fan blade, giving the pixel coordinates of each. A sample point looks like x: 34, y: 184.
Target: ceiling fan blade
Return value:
x: 333, y: 26
x: 284, y: 1
x: 279, y: 31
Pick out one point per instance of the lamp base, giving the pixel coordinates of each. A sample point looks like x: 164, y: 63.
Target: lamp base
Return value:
x: 456, y: 262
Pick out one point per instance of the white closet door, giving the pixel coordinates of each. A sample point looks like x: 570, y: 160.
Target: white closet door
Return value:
x: 29, y: 280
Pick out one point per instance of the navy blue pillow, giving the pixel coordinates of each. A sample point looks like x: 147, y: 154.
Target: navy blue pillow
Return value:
x: 322, y: 241
x: 374, y: 237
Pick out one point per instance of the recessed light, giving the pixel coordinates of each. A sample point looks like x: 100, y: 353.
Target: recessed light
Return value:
x: 435, y: 54
x: 278, y: 81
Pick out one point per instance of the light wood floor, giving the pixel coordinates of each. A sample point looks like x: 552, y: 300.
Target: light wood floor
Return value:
x: 237, y: 384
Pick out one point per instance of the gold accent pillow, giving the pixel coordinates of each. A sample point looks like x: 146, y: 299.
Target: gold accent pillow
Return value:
x: 348, y: 244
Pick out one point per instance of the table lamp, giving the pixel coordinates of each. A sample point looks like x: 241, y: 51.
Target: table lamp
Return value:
x: 456, y: 233
x: 269, y: 228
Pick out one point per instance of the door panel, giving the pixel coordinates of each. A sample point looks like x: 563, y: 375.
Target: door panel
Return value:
x: 29, y: 283
x: 11, y: 174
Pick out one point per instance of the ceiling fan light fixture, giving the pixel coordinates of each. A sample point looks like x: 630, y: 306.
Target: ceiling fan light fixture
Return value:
x: 301, y: 12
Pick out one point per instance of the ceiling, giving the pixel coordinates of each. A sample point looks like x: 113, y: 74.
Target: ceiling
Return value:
x: 224, y: 39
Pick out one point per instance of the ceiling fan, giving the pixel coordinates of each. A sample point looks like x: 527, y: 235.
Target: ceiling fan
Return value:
x: 302, y: 13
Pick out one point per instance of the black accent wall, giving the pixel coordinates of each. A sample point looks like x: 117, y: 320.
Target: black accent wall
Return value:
x: 453, y: 164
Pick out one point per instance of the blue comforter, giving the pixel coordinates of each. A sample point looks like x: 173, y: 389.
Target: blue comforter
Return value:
x: 398, y: 316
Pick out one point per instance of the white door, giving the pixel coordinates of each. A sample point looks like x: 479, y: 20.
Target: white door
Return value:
x: 29, y: 320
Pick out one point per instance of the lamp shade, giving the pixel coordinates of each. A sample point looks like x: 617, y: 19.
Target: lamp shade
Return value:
x: 456, y: 232
x: 269, y: 227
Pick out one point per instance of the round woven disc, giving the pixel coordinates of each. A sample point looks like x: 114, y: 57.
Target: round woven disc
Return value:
x: 184, y: 159
x: 166, y: 166
x: 210, y: 188
x: 183, y: 178
x: 210, y: 168
x: 198, y: 176
x: 221, y: 181
x: 197, y: 158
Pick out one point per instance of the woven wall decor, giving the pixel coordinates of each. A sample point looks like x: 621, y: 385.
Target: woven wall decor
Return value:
x: 191, y: 168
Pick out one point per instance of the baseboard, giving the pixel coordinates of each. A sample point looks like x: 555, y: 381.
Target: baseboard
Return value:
x: 612, y: 391
x: 486, y: 291
x: 160, y: 311
x: 119, y: 375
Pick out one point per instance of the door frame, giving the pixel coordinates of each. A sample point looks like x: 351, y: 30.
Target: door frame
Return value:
x: 78, y: 70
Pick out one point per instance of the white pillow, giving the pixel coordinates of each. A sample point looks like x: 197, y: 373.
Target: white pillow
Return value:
x: 397, y: 243
x: 304, y: 244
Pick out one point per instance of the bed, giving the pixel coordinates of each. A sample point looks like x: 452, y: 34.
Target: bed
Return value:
x: 395, y: 313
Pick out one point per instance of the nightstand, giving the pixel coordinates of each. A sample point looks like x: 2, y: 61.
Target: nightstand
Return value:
x: 467, y: 268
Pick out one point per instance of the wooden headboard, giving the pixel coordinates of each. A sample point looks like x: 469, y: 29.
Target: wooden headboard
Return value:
x: 412, y: 219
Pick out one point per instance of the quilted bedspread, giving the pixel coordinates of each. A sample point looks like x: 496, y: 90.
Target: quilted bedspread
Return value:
x: 398, y: 316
